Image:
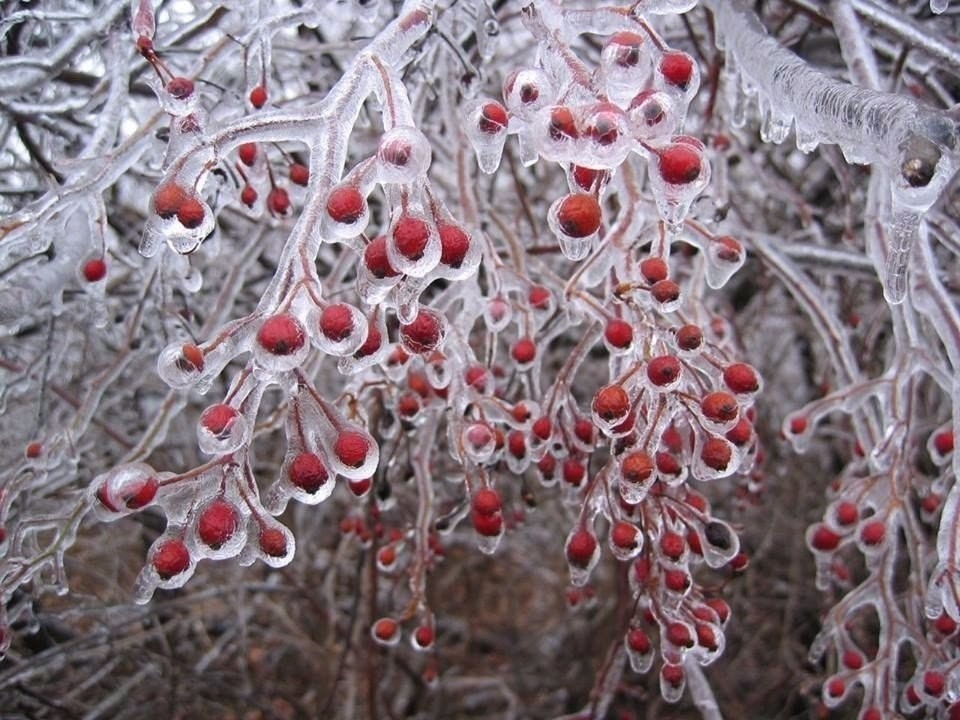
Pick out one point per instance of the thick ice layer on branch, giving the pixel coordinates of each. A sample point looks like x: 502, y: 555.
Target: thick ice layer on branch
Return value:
x: 915, y: 143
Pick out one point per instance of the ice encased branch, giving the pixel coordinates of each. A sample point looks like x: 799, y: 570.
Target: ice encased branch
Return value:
x: 916, y: 144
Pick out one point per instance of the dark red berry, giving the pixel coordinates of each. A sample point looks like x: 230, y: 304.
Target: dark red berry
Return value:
x: 579, y: 215
x: 308, y: 472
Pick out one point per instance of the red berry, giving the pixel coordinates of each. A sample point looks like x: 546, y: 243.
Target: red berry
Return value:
x: 846, y: 513
x: 539, y: 297
x: 581, y: 547
x: 638, y: 641
x: 836, y: 687
x: 217, y: 524
x: 672, y: 545
x: 679, y: 164
x: 624, y: 535
x: 626, y: 48
x: 679, y: 634
x: 191, y: 213
x: 423, y: 636
x: 33, y: 450
x: 191, y: 358
x: 248, y: 196
x: 454, y: 244
x: 618, y: 333
x: 689, y: 337
x: 171, y: 558
x: 579, y: 215
x: 134, y: 495
x: 587, y: 178
x: 486, y: 502
x: 542, y: 428
x: 852, y: 660
x: 248, y: 153
x: 654, y: 269
x: 273, y: 542
x: 824, y: 539
x: 873, y: 533
x: 741, y: 433
x: 487, y: 525
x: 375, y: 258
x: 345, y: 204
x: 934, y: 683
x: 385, y: 629
x: 359, y: 488
x: 168, y: 199
x: 945, y: 624
x: 352, y: 448
x: 424, y: 334
x: 667, y: 464
x: 604, y: 124
x: 308, y: 472
x: 798, y: 425
x: 721, y: 407
x: 336, y: 322
x: 281, y: 334
x: 943, y: 441
x: 258, y: 98
x: 410, y: 236
x: 706, y: 637
x: 94, y: 270
x: 676, y: 580
x: 180, y: 87
x: 217, y: 419
x: 562, y: 124
x: 741, y: 378
x: 371, y: 344
x: 637, y: 467
x: 676, y: 67
x: 493, y: 118
x: 611, y: 403
x: 517, y: 444
x: 524, y: 351
x: 728, y: 249
x: 299, y: 174
x: 408, y: 405
x: 665, y: 291
x: 583, y: 429
x: 279, y: 201
x: 672, y: 675
x: 547, y: 466
x: 716, y: 454
x: 573, y: 472
x: 663, y: 370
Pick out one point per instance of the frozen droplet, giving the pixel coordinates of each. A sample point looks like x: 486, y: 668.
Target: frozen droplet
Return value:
x: 653, y: 116
x: 625, y: 65
x: 221, y: 430
x: 122, y: 490
x: 338, y: 329
x: 528, y: 90
x: 413, y: 244
x: 353, y: 453
x: 938, y: 7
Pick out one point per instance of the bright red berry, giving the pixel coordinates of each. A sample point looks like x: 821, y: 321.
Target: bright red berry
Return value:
x: 278, y: 201
x: 493, y: 118
x: 611, y: 403
x: 168, y: 199
x: 218, y: 418
x: 637, y: 467
x: 486, y: 501
x: 171, y: 558
x: 281, y: 334
x: 626, y: 48
x: 676, y: 67
x: 846, y: 513
x: 721, y: 407
x: 385, y: 629
x: 618, y: 333
x: 423, y: 636
x: 410, y: 236
x: 741, y: 378
x: 679, y: 164
x: 375, y: 258
x: 873, y: 533
x: 345, y: 204
x: 579, y: 215
x: 308, y: 472
x: 573, y: 471
x: 943, y: 441
x: 248, y: 196
x: 248, y: 153
x: 562, y: 125
x: 371, y: 344
x: 273, y: 542
x: 454, y: 244
x: 934, y: 683
x: 654, y: 269
x: 299, y: 174
x: 94, y: 270
x: 191, y: 358
x: 258, y: 96
x: 336, y: 322
x: 524, y: 351
x: 663, y: 370
x: 624, y: 535
x: 672, y: 545
x: 581, y: 547
x: 824, y: 539
x: 836, y: 687
x: 424, y: 334
x: 190, y: 214
x: 716, y: 454
x: 638, y: 641
x: 679, y: 634
x: 487, y: 525
x: 217, y: 524
x: 539, y: 297
x: 352, y: 448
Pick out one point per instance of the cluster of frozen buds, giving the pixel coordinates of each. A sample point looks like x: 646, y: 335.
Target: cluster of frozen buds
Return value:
x: 678, y: 405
